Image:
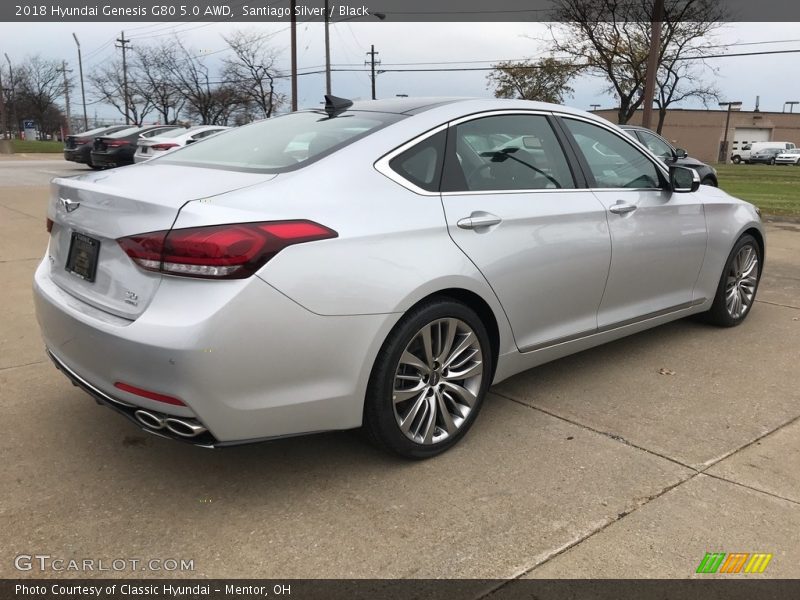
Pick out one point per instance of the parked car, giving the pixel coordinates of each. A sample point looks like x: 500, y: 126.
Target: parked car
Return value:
x: 177, y: 138
x: 744, y: 154
x: 659, y: 146
x: 78, y: 147
x: 788, y: 157
x: 117, y: 149
x: 237, y: 290
x: 765, y: 157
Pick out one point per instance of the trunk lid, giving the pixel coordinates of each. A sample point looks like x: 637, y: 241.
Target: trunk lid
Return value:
x: 94, y: 210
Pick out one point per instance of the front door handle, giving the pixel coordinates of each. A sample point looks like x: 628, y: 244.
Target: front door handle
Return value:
x: 479, y: 219
x: 621, y: 208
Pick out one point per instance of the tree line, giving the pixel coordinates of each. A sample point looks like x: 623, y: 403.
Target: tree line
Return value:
x: 167, y: 82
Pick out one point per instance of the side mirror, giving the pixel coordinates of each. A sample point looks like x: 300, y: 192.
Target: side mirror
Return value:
x: 683, y: 180
x: 681, y: 153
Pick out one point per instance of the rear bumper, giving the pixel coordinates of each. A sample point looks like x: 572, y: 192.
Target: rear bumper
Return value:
x: 249, y: 363
x: 108, y: 159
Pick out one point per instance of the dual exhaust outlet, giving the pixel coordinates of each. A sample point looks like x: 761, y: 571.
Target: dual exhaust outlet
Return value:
x: 184, y: 428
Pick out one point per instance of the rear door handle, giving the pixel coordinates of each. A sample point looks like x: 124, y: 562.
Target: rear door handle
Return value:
x: 479, y: 219
x: 621, y: 208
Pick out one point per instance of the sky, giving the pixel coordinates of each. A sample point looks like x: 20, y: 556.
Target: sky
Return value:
x: 741, y: 78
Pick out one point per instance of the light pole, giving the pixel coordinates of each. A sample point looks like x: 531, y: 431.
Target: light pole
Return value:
x: 293, y: 17
x: 723, y: 150
x: 791, y: 104
x: 83, y: 91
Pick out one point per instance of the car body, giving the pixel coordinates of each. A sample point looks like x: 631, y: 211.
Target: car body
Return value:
x: 788, y: 157
x: 745, y: 152
x: 157, y: 145
x: 671, y: 155
x: 765, y: 156
x: 78, y: 147
x: 117, y: 149
x: 238, y: 290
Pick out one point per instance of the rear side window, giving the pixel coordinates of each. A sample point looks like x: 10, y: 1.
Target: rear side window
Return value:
x: 422, y: 163
x: 281, y: 144
x: 505, y: 152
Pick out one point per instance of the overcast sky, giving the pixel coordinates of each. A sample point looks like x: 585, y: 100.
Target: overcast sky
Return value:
x: 774, y: 78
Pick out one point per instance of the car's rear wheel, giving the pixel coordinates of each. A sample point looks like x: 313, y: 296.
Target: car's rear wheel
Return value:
x: 736, y: 160
x: 738, y: 285
x: 429, y: 380
x: 772, y: 161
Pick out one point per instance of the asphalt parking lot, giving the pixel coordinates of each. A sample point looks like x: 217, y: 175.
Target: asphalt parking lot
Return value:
x: 629, y: 460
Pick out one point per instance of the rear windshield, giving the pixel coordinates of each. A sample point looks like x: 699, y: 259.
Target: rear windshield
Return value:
x: 281, y: 144
x: 175, y: 132
x: 124, y: 132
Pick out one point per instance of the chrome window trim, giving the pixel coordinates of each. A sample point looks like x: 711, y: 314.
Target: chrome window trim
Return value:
x: 382, y: 164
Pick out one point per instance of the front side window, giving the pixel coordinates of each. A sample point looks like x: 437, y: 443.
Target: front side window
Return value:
x: 281, y: 144
x: 656, y: 145
x: 612, y: 161
x: 505, y: 152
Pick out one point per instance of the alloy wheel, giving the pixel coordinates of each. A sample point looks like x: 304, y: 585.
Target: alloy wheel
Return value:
x: 740, y: 287
x: 437, y: 381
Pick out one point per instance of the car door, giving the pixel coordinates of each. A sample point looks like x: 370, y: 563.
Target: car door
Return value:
x: 656, y: 145
x: 518, y: 210
x: 658, y: 237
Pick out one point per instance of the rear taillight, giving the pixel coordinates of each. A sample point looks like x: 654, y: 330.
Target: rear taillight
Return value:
x: 232, y: 251
x: 117, y: 143
x: 163, y: 146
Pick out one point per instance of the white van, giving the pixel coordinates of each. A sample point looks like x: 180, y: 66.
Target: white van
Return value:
x: 743, y: 153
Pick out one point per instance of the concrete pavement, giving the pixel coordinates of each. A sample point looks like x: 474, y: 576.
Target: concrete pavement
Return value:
x: 594, y: 465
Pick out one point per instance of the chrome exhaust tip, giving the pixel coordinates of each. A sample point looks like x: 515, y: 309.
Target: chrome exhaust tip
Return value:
x: 183, y: 428
x: 149, y: 420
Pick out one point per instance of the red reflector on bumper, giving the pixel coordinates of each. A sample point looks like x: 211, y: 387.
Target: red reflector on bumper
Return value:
x: 146, y: 394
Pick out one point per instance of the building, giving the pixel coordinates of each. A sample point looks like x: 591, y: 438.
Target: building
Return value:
x: 701, y: 132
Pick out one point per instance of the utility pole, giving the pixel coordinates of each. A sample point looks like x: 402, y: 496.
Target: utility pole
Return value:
x: 65, y: 70
x: 83, y: 91
x: 652, y: 62
x: 123, y: 43
x: 372, y: 62
x: 12, y: 96
x: 4, y: 122
x: 327, y: 51
x: 723, y: 150
x: 292, y: 6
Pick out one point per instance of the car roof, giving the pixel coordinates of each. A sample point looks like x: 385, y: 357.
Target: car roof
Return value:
x: 404, y: 105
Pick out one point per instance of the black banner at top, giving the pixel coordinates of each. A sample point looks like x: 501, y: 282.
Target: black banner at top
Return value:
x: 33, y: 11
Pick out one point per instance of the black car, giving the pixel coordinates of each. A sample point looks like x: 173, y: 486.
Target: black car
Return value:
x: 117, y: 149
x: 78, y: 146
x: 671, y: 155
x: 765, y: 156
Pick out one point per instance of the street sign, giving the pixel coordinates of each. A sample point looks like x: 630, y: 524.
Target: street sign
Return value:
x: 29, y: 124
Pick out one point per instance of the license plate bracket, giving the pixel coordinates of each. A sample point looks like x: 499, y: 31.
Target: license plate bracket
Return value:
x: 82, y: 256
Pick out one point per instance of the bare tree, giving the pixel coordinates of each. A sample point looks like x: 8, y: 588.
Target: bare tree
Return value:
x: 208, y: 101
x: 39, y: 84
x: 546, y: 80
x: 253, y: 71
x: 153, y: 80
x: 108, y: 85
x: 611, y: 38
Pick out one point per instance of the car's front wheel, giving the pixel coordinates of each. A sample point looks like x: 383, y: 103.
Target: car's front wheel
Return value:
x: 429, y: 380
x: 738, y: 285
x: 736, y: 160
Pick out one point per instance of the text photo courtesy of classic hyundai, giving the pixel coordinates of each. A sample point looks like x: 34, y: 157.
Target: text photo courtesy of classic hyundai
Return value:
x: 376, y: 264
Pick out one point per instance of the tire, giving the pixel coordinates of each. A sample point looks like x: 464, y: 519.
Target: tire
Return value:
x: 771, y: 161
x: 736, y: 159
x: 438, y: 406
x: 723, y: 312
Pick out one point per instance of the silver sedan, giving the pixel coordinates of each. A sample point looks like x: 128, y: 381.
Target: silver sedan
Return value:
x: 376, y: 264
